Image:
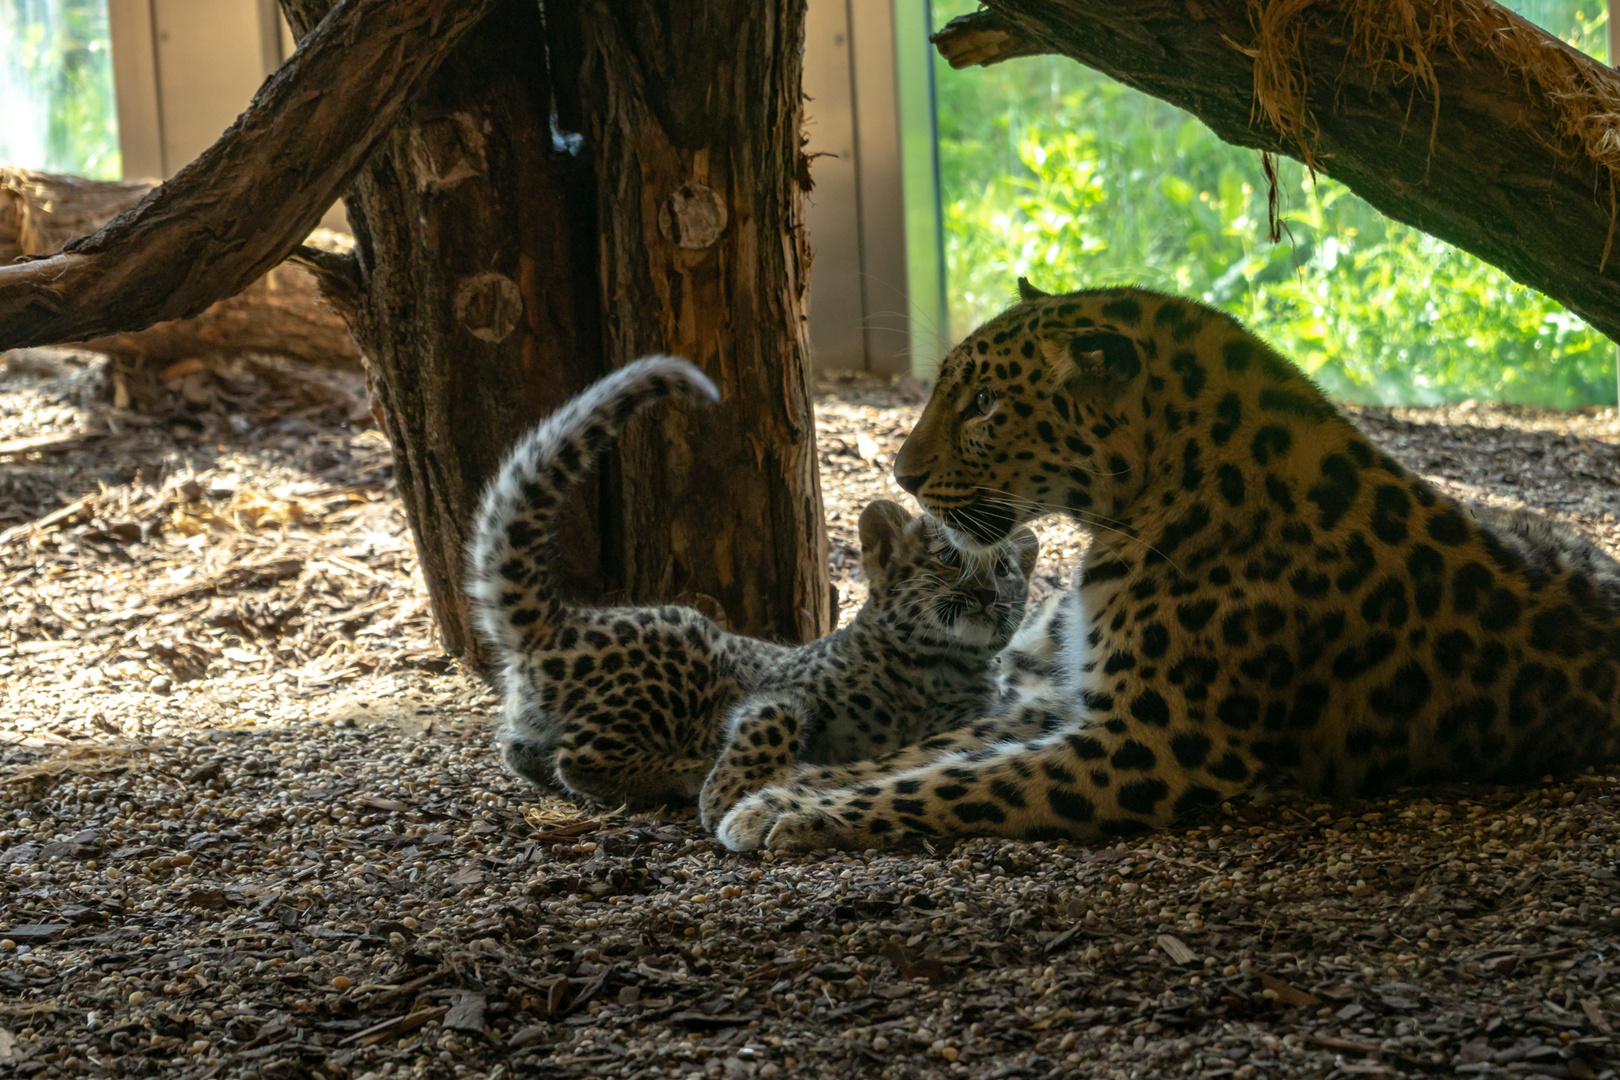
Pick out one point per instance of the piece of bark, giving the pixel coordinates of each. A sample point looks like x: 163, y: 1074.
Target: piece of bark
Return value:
x: 252, y: 197
x: 1515, y: 164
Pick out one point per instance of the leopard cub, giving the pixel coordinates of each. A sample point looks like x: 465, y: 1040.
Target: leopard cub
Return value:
x: 653, y: 704
x: 919, y: 658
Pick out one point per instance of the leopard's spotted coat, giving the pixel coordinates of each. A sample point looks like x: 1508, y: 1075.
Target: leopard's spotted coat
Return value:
x: 1267, y: 595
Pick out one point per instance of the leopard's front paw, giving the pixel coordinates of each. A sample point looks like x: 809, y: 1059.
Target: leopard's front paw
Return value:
x: 747, y: 825
x: 811, y: 830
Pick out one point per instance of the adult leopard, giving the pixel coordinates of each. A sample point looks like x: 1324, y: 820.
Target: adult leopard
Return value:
x: 1267, y: 595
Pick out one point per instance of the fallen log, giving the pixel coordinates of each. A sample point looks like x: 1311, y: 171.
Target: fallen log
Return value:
x: 279, y: 314
x: 1457, y: 117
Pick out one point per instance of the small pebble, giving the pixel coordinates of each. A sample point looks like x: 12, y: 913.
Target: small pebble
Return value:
x: 341, y: 982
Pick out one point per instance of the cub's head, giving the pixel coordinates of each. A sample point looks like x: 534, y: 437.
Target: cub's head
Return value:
x: 1035, y: 412
x: 927, y: 591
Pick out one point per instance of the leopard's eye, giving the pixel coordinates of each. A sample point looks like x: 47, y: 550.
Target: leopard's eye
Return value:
x: 983, y: 402
x: 1004, y: 569
x: 949, y: 556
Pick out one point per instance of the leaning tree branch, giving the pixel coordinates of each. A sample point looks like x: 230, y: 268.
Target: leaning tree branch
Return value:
x: 1462, y: 120
x: 252, y: 197
x: 279, y: 313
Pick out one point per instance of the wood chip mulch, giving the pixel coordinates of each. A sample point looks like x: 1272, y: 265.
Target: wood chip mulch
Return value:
x: 250, y: 825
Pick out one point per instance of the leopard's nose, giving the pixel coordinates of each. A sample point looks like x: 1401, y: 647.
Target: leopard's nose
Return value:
x: 912, y: 483
x: 985, y: 597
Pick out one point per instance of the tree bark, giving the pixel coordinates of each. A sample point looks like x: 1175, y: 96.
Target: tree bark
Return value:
x: 1496, y: 146
x: 474, y: 297
x: 694, y: 119
x: 252, y: 197
x: 477, y: 299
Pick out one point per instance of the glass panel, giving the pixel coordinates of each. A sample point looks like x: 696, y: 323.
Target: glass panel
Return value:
x: 56, y: 88
x: 1054, y: 171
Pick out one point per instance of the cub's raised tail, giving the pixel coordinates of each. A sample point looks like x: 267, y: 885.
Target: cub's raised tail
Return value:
x: 510, y: 559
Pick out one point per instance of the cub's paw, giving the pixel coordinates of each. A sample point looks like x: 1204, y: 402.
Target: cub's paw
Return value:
x: 531, y: 760
x: 720, y: 794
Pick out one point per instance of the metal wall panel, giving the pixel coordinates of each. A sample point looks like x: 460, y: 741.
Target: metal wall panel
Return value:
x: 140, y: 112
x: 832, y: 213
x: 209, y: 63
x: 882, y: 205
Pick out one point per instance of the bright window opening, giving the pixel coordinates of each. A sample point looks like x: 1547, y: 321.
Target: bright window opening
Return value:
x: 1053, y: 171
x: 56, y: 88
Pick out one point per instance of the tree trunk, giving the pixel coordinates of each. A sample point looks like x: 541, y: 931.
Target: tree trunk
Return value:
x: 477, y: 300
x: 694, y: 119
x: 280, y: 313
x: 39, y: 212
x: 1454, y: 116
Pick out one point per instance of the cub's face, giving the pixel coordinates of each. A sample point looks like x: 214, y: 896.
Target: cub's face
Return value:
x: 938, y: 593
x: 1030, y: 415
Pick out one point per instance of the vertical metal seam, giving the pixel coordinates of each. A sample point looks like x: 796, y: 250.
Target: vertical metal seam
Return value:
x: 855, y: 152
x: 157, y: 90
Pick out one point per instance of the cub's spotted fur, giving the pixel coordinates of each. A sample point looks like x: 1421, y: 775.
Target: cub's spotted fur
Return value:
x: 918, y: 658
x: 635, y: 703
x: 1267, y: 595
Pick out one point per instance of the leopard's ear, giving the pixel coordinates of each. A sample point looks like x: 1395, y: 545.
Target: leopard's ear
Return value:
x: 1026, y: 549
x: 1096, y: 360
x: 1028, y: 292
x: 882, y: 524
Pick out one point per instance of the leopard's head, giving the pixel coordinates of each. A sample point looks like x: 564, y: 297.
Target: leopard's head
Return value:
x: 927, y: 590
x: 1035, y: 412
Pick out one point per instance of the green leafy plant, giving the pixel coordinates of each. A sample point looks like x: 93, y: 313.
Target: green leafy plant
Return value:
x: 56, y: 88
x: 1053, y: 171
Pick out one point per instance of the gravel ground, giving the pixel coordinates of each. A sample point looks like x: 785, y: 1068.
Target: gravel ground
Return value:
x: 250, y: 826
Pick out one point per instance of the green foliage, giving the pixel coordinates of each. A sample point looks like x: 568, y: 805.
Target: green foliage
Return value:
x: 1053, y: 171
x: 56, y: 88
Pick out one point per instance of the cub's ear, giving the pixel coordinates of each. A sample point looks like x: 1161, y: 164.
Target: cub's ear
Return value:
x: 1028, y: 292
x: 882, y: 523
x: 1095, y: 360
x: 1026, y: 549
